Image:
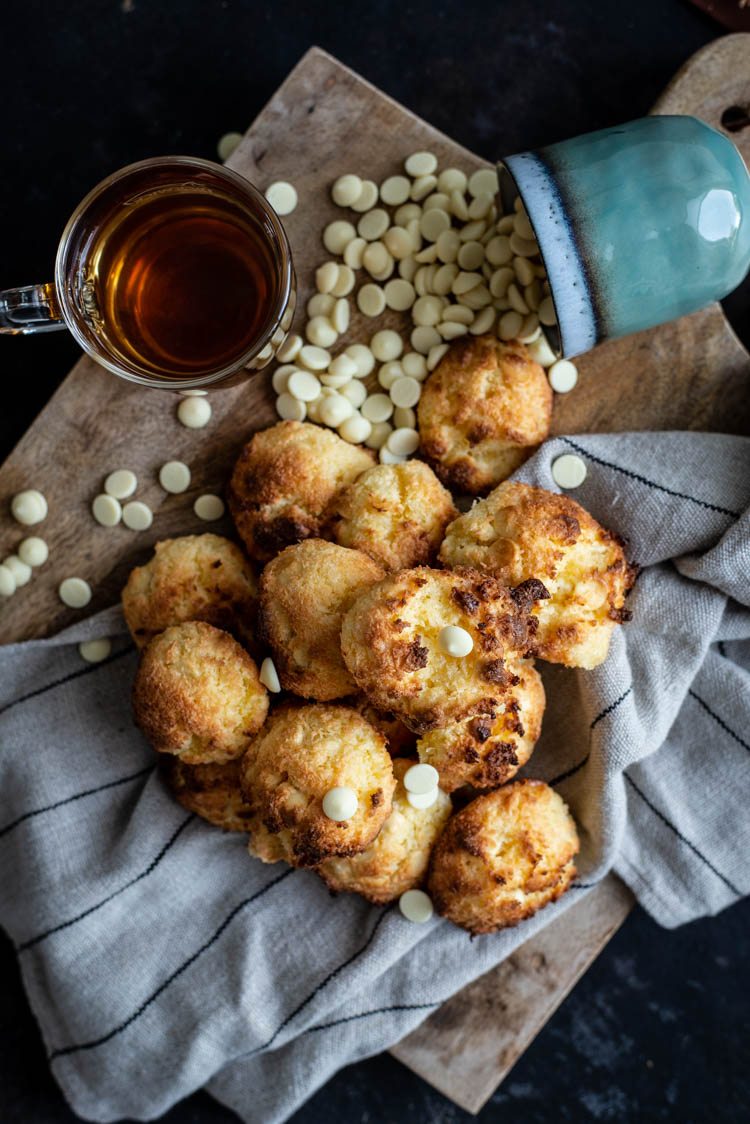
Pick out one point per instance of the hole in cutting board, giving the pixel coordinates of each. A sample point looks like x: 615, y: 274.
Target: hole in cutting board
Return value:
x: 735, y: 118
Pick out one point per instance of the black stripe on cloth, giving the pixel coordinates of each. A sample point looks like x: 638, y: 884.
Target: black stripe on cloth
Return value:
x: 651, y: 483
x: 88, y: 670
x: 584, y: 885
x: 92, y: 909
x: 78, y: 796
x: 682, y: 838
x: 379, y: 1011
x: 319, y: 988
x: 607, y: 710
x: 718, y: 720
x: 65, y: 1050
x: 722, y: 650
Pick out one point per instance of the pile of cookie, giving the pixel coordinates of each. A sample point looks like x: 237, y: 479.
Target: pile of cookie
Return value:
x: 362, y: 704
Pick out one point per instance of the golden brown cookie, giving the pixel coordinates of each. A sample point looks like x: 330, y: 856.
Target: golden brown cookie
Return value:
x: 305, y: 592
x: 211, y: 791
x: 482, y: 412
x: 390, y: 639
x: 519, y: 532
x: 503, y: 857
x: 489, y: 749
x: 396, y: 513
x: 397, y: 860
x: 197, y: 694
x: 284, y: 480
x: 400, y: 740
x: 266, y: 846
x: 301, y: 754
x: 193, y: 578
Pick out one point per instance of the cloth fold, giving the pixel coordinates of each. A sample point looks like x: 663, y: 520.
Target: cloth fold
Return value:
x: 159, y: 957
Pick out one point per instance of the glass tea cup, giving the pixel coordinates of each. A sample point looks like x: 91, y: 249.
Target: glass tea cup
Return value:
x: 174, y: 273
x: 636, y: 224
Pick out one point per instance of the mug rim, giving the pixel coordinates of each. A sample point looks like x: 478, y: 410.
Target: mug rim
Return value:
x: 272, y: 324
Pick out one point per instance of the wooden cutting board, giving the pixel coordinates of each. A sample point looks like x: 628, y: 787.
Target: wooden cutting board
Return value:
x: 323, y: 121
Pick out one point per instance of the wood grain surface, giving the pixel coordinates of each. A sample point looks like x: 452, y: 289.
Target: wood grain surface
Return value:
x: 323, y: 121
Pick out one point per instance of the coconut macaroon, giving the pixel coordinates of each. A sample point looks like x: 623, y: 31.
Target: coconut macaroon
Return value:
x: 197, y: 694
x: 400, y: 740
x: 302, y: 754
x: 395, y: 641
x: 489, y: 749
x: 211, y: 791
x: 397, y: 860
x: 483, y: 410
x: 305, y: 592
x: 284, y: 480
x: 518, y: 532
x: 396, y: 513
x: 266, y: 846
x: 503, y: 857
x: 193, y: 578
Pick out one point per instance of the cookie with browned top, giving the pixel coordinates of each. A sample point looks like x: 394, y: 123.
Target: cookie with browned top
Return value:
x: 305, y: 592
x: 197, y: 694
x: 302, y: 753
x: 503, y: 857
x: 483, y: 410
x: 283, y: 481
x: 192, y: 578
x: 211, y: 791
x: 390, y: 641
x: 518, y: 532
x: 489, y: 749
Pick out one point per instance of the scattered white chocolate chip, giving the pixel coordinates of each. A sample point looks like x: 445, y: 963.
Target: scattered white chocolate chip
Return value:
x: 455, y: 641
x: 355, y: 429
x: 540, y: 350
x: 33, y: 551
x: 406, y: 391
x: 326, y: 276
x: 106, y: 510
x: 174, y: 476
x: 403, y: 442
x: 421, y: 164
x: 337, y: 235
x: 546, y: 312
x: 435, y: 354
x: 395, y: 190
x: 423, y: 799
x: 399, y: 294
x: 194, y: 413
x: 379, y: 435
x: 483, y: 182
x: 386, y: 345
x: 303, y: 385
x: 387, y: 457
x: 404, y: 418
x: 290, y: 409
x: 269, y: 676
x: 74, y: 592
x: 422, y: 187
x: 340, y: 803
x: 377, y: 408
x: 94, y: 651
x: 356, y: 391
x: 227, y: 145
x: 568, y: 471
x: 209, y: 507
x: 29, y: 507
x: 280, y: 377
x: 367, y: 197
x: 137, y: 516
x: 7, y: 582
x: 282, y: 196
x: 563, y: 375
x: 371, y: 300
x: 416, y: 905
x: 421, y: 779
x: 21, y: 571
x: 314, y: 357
x: 346, y: 190
x: 290, y: 349
x: 335, y: 409
x: 373, y: 224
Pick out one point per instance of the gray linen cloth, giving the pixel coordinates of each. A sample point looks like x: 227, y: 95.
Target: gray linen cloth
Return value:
x: 159, y: 957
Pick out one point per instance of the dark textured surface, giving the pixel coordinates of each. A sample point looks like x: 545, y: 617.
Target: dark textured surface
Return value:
x: 658, y: 1029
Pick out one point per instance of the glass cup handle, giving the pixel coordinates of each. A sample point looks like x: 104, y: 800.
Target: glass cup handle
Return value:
x: 34, y: 308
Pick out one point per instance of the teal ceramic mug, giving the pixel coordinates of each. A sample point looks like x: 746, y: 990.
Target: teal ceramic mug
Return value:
x: 636, y: 225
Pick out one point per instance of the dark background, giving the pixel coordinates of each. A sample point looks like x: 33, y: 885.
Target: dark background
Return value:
x: 659, y: 1028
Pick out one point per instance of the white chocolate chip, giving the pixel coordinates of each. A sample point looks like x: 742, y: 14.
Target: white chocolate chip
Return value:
x: 340, y: 803
x: 405, y: 391
x: 304, y: 386
x: 326, y: 276
x: 337, y: 236
x: 21, y: 571
x: 452, y: 179
x: 282, y: 196
x: 94, y: 651
x: 379, y: 435
x: 455, y: 641
x: 7, y: 582
x: 404, y: 418
x: 422, y: 187
x: 174, y: 476
x: 345, y: 366
x: 434, y: 223
x: 356, y: 391
x: 371, y: 300
x: 290, y: 409
x: 435, y: 354
x: 289, y: 349
x: 523, y: 247
x: 387, y: 457
x: 373, y: 224
x: 424, y: 338
x: 346, y: 190
x: 509, y: 325
x: 353, y: 253
x: 194, y: 413
x: 335, y: 409
x: 498, y: 251
x: 541, y: 351
x: 423, y: 800
x: 398, y: 242
x: 209, y: 507
x: 395, y: 190
x: 399, y: 294
x: 280, y: 377
x: 416, y: 905
x: 483, y: 182
x: 74, y: 592
x: 483, y: 321
x: 386, y: 345
x: 377, y: 408
x: 546, y: 312
x: 568, y: 471
x: 438, y: 201
x: 314, y: 357
x: 227, y: 145
x: 355, y: 429
x: 29, y: 507
x: 121, y: 484
x: 414, y: 365
x: 344, y: 282
x: 421, y: 779
x: 403, y: 441
x: 321, y: 332
x: 367, y: 198
x: 421, y: 164
x: 269, y: 676
x: 363, y: 357
x: 427, y: 311
x: 137, y: 516
x: 106, y: 510
x: 341, y: 315
x: 33, y: 551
